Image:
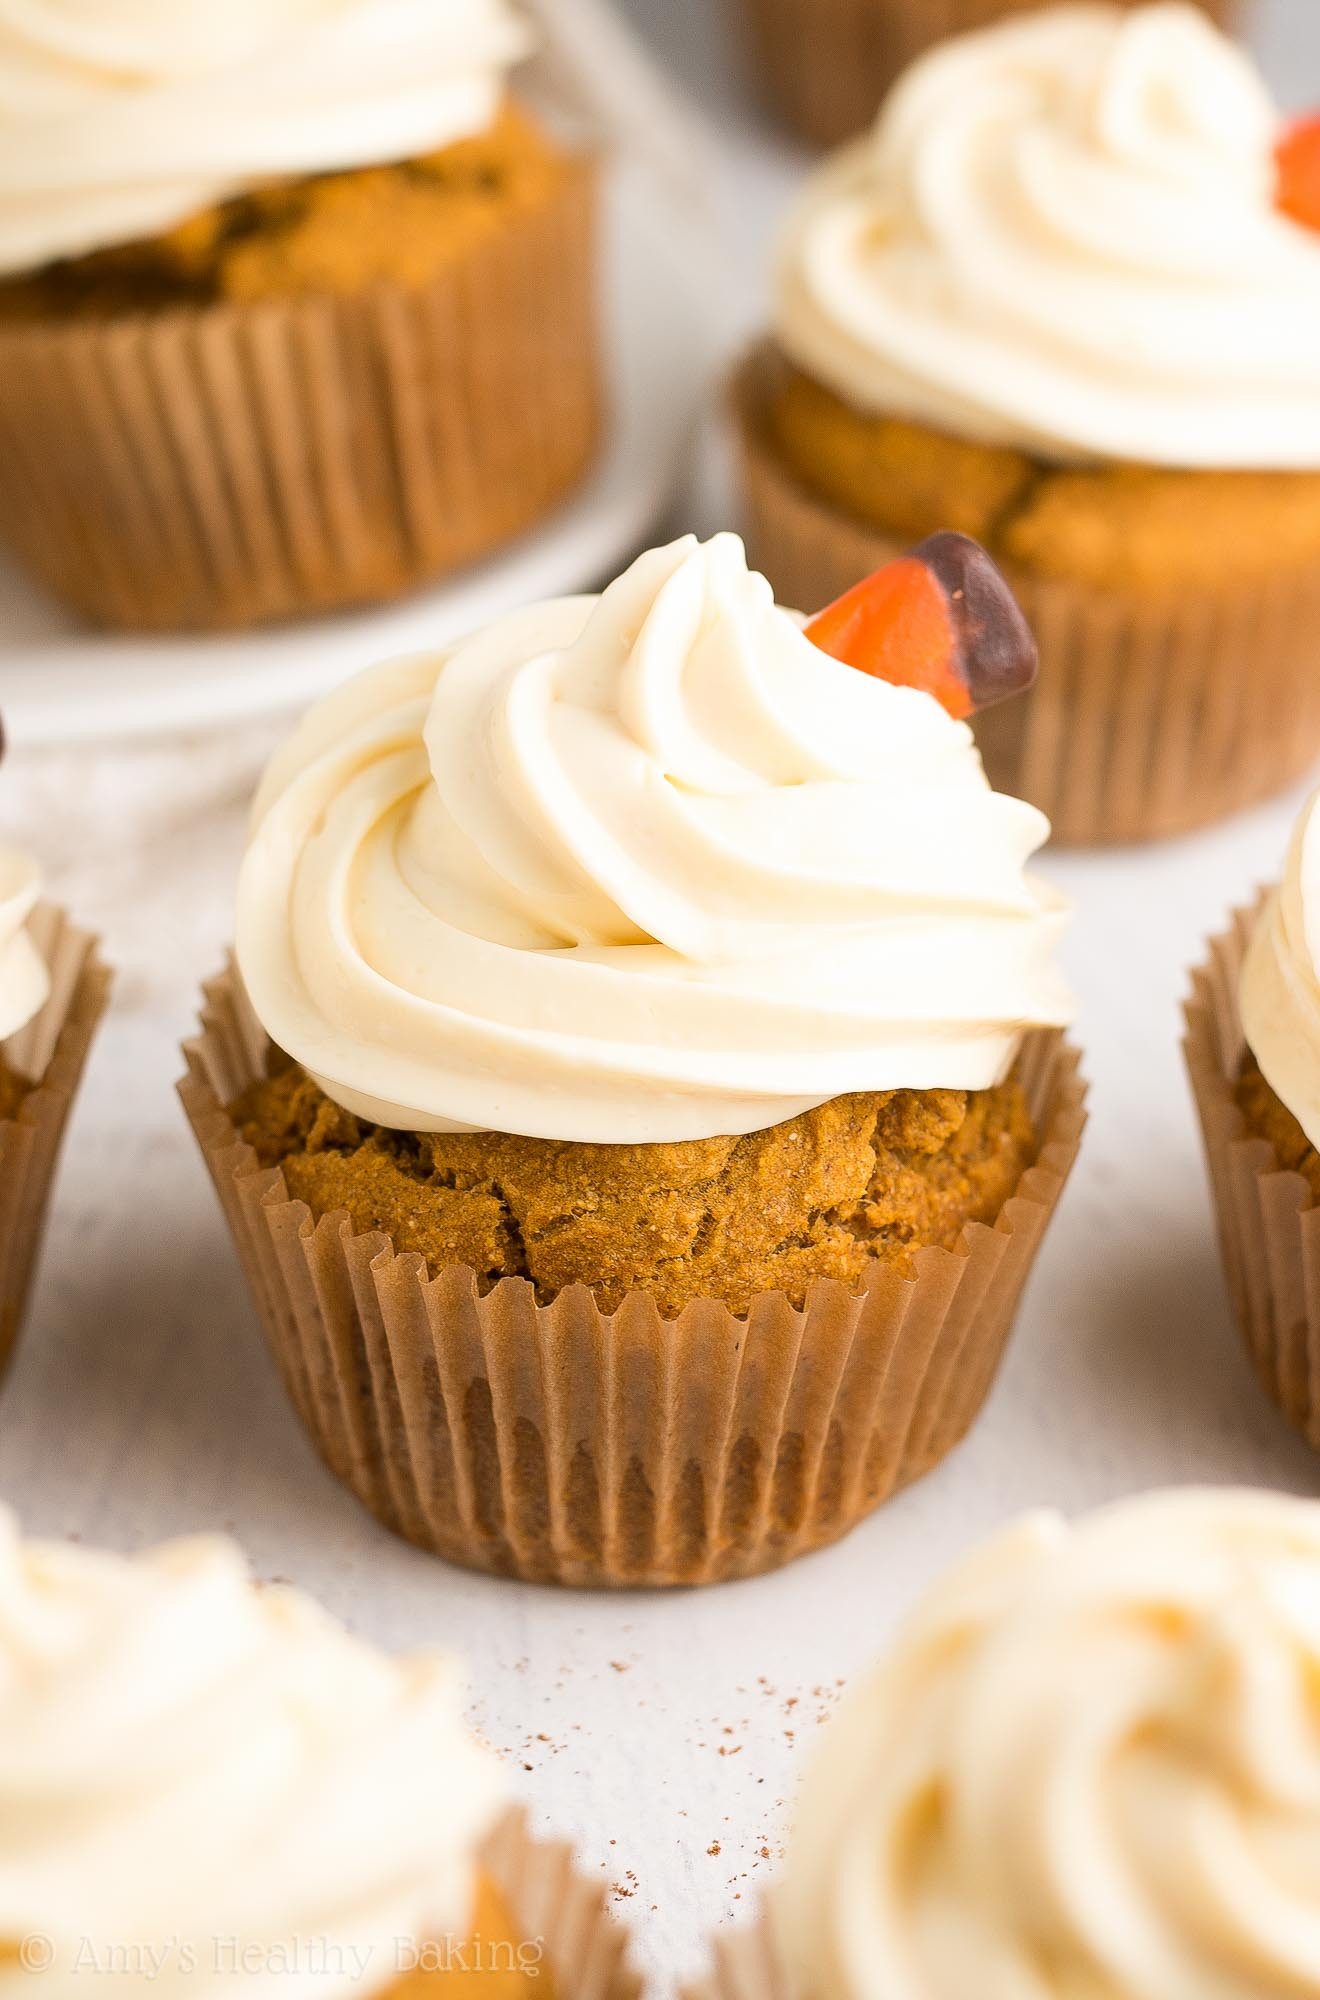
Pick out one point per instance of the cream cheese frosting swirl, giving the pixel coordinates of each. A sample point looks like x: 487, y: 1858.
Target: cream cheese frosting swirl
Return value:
x: 24, y: 980
x: 189, y: 1765
x: 1280, y: 986
x: 643, y: 868
x: 1090, y: 1771
x: 1062, y: 236
x: 120, y: 118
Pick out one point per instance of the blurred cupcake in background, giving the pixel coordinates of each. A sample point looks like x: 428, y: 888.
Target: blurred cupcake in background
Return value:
x: 1089, y: 1765
x: 53, y: 992
x: 640, y: 1098
x: 297, y: 303
x: 825, y: 64
x: 1054, y: 300
x: 209, y: 1786
x: 1253, y: 1054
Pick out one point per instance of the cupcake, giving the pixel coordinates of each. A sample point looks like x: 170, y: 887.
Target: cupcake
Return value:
x: 1090, y: 1765
x: 639, y: 1094
x: 1253, y: 1054
x: 296, y: 304
x: 211, y: 1787
x: 1054, y: 300
x: 824, y: 65
x: 53, y: 991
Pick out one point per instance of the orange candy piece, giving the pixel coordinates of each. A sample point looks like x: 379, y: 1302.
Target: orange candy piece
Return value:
x: 1298, y: 160
x: 897, y: 626
x: 942, y: 619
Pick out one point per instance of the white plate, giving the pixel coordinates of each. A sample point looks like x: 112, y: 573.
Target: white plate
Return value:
x: 62, y: 683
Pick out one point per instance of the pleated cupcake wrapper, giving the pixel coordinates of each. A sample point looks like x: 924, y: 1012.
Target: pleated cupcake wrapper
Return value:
x: 52, y: 1049
x: 562, y: 1444
x: 1268, y: 1220
x: 746, y: 1965
x: 556, y: 1907
x: 227, y: 464
x: 1152, y: 715
x: 825, y: 65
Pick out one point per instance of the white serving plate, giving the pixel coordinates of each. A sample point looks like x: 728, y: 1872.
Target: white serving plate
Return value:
x: 63, y: 683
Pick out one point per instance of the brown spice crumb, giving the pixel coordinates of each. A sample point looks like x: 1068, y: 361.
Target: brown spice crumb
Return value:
x: 863, y: 1179
x: 1268, y: 1117
x: 400, y: 222
x: 1130, y: 527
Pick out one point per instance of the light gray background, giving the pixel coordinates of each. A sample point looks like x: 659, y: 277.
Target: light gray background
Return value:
x: 699, y: 41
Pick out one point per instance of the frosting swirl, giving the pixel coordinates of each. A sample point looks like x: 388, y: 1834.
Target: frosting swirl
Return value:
x: 185, y: 1760
x: 1280, y: 989
x: 1062, y: 236
x: 649, y: 867
x: 1090, y: 1771
x: 24, y: 980
x: 121, y: 118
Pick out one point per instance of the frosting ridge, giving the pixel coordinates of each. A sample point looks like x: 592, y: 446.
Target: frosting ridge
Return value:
x: 648, y: 867
x: 1061, y: 236
x: 1280, y: 987
x: 24, y: 980
x: 121, y: 118
x: 1091, y: 1767
x: 185, y: 1759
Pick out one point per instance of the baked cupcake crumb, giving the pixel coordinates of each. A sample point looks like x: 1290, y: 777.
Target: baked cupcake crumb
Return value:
x: 1268, y: 1117
x: 327, y: 234
x: 13, y: 1089
x: 1113, y: 526
x: 865, y: 1178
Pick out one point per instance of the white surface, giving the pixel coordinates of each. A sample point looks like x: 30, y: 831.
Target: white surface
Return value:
x: 654, y: 1729
x: 63, y: 683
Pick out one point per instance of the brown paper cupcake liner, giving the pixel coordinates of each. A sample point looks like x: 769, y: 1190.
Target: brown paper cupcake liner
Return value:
x: 1268, y: 1220
x: 825, y: 65
x: 219, y: 466
x: 563, y: 1913
x: 745, y: 1965
x: 52, y: 1049
x: 562, y: 1444
x: 1152, y: 715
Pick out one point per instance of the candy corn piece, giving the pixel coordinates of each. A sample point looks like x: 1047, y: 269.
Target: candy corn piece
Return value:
x: 1298, y: 160
x: 942, y: 619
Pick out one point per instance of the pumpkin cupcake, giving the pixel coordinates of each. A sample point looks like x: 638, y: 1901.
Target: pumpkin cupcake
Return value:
x: 824, y: 65
x: 639, y: 1095
x: 211, y: 1787
x: 296, y: 304
x: 1090, y: 1765
x: 1253, y: 1053
x: 53, y: 992
x: 1055, y: 301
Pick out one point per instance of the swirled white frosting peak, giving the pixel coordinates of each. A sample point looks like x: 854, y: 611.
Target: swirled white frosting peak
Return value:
x: 1090, y: 1771
x: 191, y: 1767
x: 648, y: 867
x: 1062, y: 236
x: 1280, y: 988
x: 24, y: 980
x: 120, y: 118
